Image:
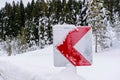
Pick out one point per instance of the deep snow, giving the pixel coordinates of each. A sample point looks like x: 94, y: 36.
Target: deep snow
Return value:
x: 38, y: 65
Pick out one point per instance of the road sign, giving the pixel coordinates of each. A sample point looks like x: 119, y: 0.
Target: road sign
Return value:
x: 72, y: 45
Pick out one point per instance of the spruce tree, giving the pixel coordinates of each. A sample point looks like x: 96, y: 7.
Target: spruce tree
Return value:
x: 50, y: 16
x: 7, y: 20
x: 69, y: 9
x: 113, y: 7
x: 83, y: 13
x: 22, y: 14
x: 2, y: 30
x: 98, y: 22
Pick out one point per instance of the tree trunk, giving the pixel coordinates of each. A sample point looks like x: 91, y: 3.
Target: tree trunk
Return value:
x: 96, y: 44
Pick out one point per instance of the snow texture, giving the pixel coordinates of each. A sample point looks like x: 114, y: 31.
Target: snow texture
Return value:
x: 38, y: 65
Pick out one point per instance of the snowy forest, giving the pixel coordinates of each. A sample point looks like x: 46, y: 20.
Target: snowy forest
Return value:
x: 27, y: 28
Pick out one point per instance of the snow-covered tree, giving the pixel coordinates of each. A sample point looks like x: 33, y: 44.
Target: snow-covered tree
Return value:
x: 98, y: 19
x: 117, y: 27
x: 83, y: 13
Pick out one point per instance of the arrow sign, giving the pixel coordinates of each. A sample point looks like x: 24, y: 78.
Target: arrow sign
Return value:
x: 76, y: 47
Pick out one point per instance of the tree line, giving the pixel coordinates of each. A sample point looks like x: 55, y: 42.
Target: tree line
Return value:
x: 32, y: 24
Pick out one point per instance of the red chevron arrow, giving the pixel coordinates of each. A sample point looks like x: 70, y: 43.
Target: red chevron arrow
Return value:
x: 67, y: 47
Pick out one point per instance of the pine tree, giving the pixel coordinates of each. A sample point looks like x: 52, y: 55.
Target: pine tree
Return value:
x: 28, y: 11
x: 98, y: 21
x: 29, y: 28
x: 83, y: 13
x: 57, y: 5
x: 21, y: 42
x: 13, y: 28
x: 63, y: 12
x: 43, y: 24
x: 17, y: 23
x: 2, y: 30
x: 6, y: 19
x: 69, y: 10
x: 22, y: 14
x: 113, y: 7
x: 50, y: 17
x: 29, y: 24
x: 72, y: 8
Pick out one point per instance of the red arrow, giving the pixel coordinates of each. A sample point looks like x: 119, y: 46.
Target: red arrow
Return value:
x: 67, y: 47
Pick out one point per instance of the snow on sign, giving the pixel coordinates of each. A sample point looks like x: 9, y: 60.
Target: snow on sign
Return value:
x: 72, y: 45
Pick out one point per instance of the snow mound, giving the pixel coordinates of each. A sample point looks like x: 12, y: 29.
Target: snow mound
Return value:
x: 8, y: 71
x: 69, y: 73
x: 38, y: 65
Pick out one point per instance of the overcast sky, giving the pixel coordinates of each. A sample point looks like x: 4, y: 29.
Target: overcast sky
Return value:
x: 2, y: 2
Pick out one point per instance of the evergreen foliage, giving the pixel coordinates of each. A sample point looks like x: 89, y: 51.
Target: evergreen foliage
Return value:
x: 113, y: 6
x: 98, y: 19
x: 32, y: 24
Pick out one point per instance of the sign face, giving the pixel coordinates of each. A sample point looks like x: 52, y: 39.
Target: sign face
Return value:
x: 72, y: 45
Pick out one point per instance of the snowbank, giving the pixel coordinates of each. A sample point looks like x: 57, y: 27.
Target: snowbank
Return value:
x: 38, y: 65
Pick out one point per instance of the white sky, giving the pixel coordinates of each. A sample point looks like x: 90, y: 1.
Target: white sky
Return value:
x: 2, y: 2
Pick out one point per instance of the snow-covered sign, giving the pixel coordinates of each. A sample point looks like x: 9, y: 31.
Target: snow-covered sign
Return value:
x: 72, y: 45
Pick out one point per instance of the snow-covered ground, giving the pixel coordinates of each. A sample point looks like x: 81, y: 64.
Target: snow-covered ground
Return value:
x: 38, y: 65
